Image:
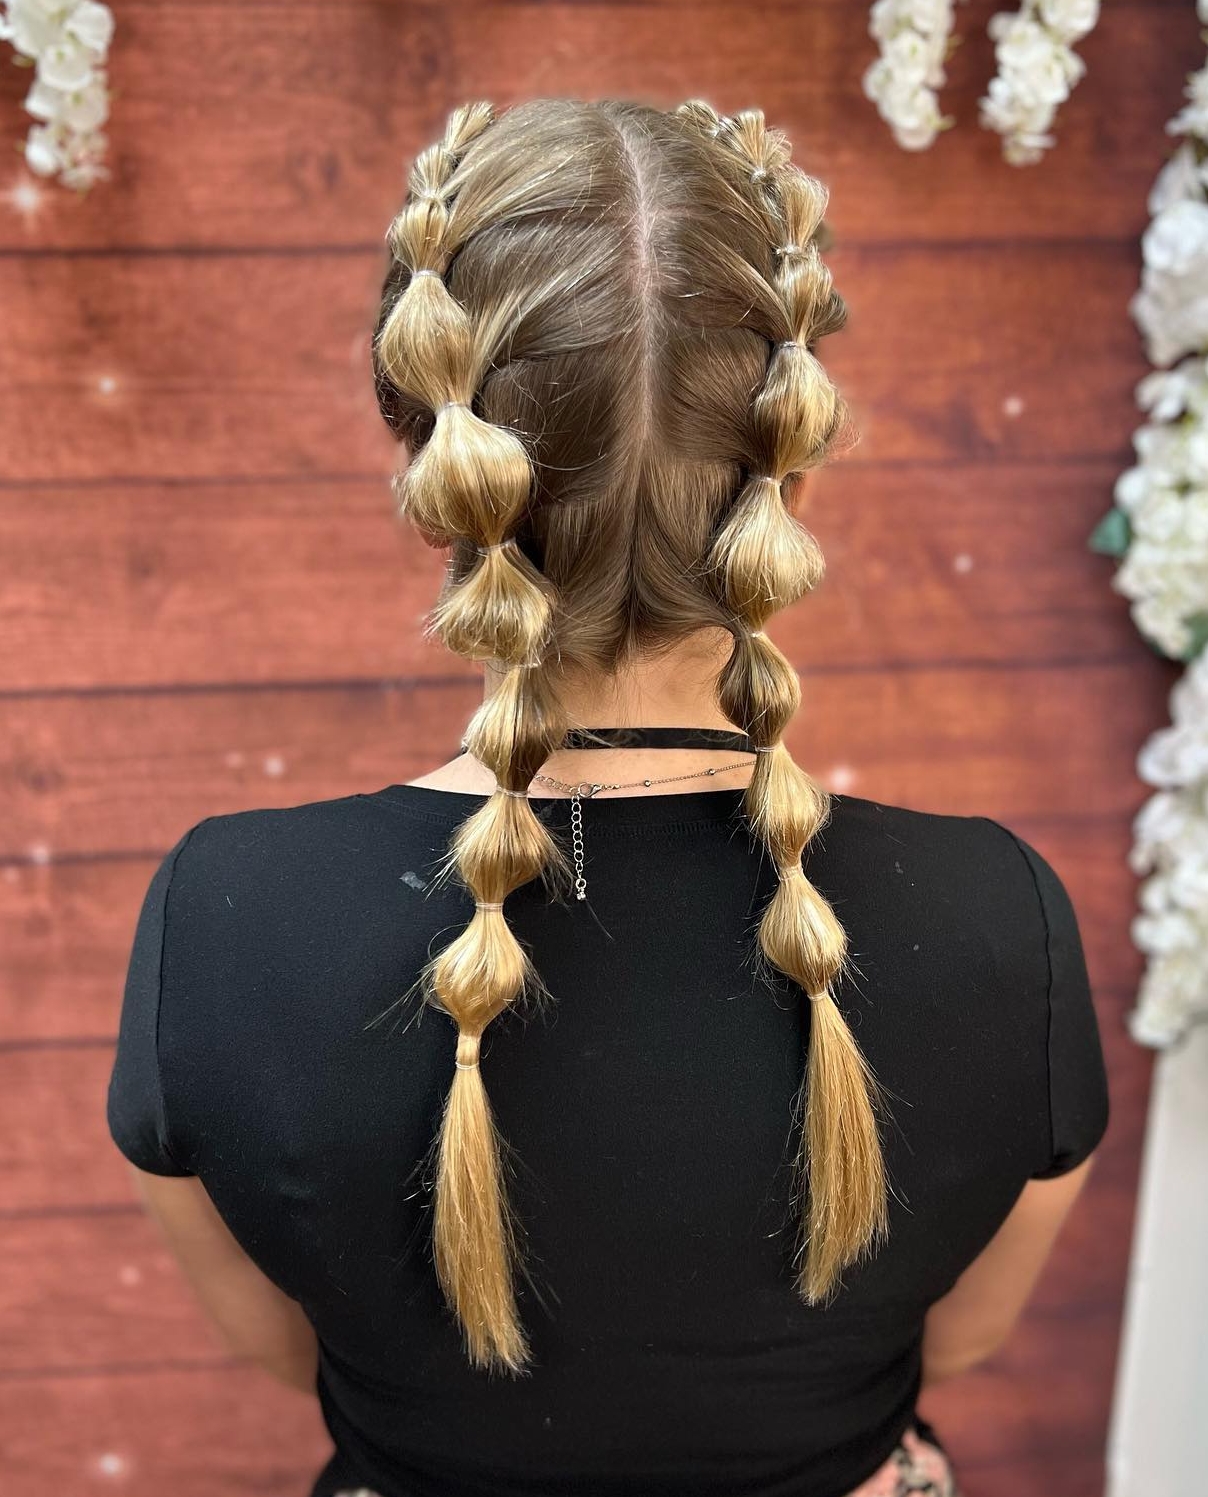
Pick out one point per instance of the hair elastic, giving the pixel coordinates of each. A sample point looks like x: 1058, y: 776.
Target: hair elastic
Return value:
x: 765, y: 477
x: 520, y: 795
x: 436, y: 273
x: 790, y: 343
x: 467, y: 1065
x: 449, y: 404
x: 491, y: 906
x: 769, y: 750
x: 755, y: 633
x: 758, y: 173
x: 495, y: 546
x: 788, y: 249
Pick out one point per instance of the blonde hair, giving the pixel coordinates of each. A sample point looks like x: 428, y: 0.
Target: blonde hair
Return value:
x: 596, y: 338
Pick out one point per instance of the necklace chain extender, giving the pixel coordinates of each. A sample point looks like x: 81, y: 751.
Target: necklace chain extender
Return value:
x: 587, y: 789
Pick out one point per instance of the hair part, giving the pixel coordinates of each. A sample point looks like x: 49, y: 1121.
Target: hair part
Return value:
x: 597, y: 338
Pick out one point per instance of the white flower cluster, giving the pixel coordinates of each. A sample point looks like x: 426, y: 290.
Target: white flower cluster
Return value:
x: 1164, y: 499
x: 1171, y: 846
x: 902, y: 82
x: 1172, y: 304
x: 68, y: 42
x: 1037, y: 68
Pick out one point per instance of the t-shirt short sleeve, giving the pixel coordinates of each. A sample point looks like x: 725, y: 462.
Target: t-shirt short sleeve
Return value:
x: 137, y: 1112
x: 1078, y: 1089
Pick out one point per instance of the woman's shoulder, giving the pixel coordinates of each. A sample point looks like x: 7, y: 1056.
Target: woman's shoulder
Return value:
x: 258, y: 853
x: 978, y: 868
x: 251, y: 830
x: 883, y: 824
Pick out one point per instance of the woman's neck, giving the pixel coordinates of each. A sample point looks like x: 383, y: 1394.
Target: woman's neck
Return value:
x: 678, y: 689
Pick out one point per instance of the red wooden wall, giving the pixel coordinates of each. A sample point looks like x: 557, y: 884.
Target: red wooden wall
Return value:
x: 207, y: 604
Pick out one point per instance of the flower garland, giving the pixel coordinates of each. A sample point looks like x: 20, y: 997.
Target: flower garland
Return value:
x: 67, y: 41
x: 1037, y: 68
x: 1158, y: 530
x: 915, y: 38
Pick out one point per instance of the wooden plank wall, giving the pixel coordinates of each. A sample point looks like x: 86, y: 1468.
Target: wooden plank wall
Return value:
x: 208, y: 606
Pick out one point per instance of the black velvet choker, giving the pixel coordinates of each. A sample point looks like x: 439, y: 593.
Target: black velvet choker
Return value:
x: 689, y: 738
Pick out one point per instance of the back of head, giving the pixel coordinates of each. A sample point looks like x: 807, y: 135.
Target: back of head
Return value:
x: 597, y: 340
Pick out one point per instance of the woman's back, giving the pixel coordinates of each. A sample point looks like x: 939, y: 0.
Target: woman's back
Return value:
x: 648, y: 1109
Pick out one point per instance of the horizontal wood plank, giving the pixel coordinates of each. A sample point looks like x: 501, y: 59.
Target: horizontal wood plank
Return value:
x: 307, y: 128
x: 96, y: 1290
x: 125, y: 772
x: 154, y: 584
x: 953, y: 353
x: 191, y: 1432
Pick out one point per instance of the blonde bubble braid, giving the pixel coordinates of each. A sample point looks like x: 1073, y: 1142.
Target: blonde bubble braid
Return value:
x: 579, y: 317
x: 472, y: 480
x: 764, y: 561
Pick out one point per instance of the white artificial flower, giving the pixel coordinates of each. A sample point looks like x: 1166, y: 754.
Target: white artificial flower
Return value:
x: 1036, y: 69
x: 1171, y: 307
x: 1167, y: 933
x: 41, y: 151
x: 32, y: 26
x: 1183, y: 177
x: 1170, y: 845
x: 1192, y: 119
x: 1164, y: 573
x: 902, y: 81
x: 1176, y: 242
x: 86, y: 109
x: 83, y: 173
x: 68, y: 41
x: 1070, y: 20
x: 91, y: 25
x: 933, y: 17
x: 1167, y: 393
x: 65, y: 64
x: 1162, y: 819
x: 909, y: 58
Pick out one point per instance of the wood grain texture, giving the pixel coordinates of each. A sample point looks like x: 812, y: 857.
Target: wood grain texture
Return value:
x: 152, y: 584
x: 104, y: 375
x: 307, y: 129
x: 206, y: 604
x: 85, y: 774
x: 191, y: 1430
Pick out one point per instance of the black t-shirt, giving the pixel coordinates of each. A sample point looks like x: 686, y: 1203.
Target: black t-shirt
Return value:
x: 648, y: 1114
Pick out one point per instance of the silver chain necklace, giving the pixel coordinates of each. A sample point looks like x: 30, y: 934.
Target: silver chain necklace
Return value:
x: 588, y: 789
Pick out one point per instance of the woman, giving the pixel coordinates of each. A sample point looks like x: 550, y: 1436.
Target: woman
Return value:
x: 816, y: 1079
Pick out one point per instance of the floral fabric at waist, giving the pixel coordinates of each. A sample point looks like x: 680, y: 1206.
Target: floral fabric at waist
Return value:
x: 916, y: 1467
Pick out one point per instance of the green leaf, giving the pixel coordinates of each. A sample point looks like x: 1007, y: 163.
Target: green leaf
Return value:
x: 1113, y: 534
x: 1198, y: 625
